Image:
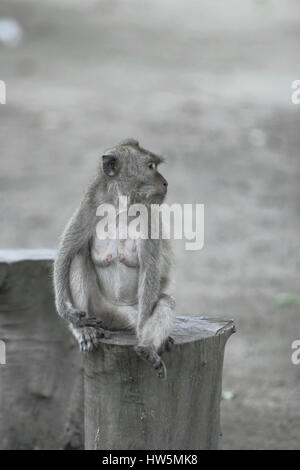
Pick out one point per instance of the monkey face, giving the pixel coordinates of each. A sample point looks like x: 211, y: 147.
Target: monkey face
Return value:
x: 134, y: 172
x: 153, y: 186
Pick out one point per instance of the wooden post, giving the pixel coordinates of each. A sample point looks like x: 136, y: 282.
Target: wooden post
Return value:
x: 41, y: 402
x: 128, y: 407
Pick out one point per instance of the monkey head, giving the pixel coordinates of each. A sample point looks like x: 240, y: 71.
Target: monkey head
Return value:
x: 131, y: 171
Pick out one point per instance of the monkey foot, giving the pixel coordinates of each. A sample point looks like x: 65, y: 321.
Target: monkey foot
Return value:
x: 88, y: 338
x: 166, y: 346
x: 148, y: 354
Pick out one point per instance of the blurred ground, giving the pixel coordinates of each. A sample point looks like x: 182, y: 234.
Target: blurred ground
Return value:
x: 207, y: 83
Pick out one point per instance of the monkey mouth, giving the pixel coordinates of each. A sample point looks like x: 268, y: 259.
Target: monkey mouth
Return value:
x: 157, y: 198
x: 148, y: 193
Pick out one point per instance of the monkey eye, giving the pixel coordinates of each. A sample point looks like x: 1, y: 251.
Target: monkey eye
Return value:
x: 152, y: 166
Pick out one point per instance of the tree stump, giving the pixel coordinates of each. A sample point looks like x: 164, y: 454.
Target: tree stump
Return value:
x: 41, y: 380
x: 127, y: 407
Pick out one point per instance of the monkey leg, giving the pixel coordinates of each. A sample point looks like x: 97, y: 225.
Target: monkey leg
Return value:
x: 154, y: 337
x: 87, y: 330
x: 158, y: 326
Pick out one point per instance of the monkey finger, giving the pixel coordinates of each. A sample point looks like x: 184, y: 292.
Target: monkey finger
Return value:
x: 88, y: 321
x: 166, y: 346
x: 92, y: 321
x: 87, y: 346
x: 80, y: 314
x: 143, y: 352
x: 169, y: 343
x: 88, y: 340
x: 101, y: 333
x: 84, y: 345
x: 75, y: 317
x: 161, y: 370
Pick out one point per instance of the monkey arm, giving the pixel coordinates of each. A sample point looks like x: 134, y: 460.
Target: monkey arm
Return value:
x: 149, y: 279
x: 167, y: 262
x: 75, y: 237
x: 155, y: 309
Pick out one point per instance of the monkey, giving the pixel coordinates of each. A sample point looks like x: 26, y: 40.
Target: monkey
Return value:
x: 104, y: 285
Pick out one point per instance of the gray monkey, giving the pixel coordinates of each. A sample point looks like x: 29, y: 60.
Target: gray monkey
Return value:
x: 114, y: 284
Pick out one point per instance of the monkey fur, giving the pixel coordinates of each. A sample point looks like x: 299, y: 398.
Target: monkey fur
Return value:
x: 115, y: 284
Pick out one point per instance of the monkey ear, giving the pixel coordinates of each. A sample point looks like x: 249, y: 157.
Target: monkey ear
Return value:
x: 111, y: 165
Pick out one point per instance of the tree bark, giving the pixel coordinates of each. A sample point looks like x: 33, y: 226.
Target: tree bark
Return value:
x: 128, y: 407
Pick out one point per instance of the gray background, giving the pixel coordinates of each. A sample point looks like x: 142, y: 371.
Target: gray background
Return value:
x: 208, y: 84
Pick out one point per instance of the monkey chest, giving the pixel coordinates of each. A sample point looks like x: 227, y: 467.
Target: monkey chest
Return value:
x: 117, y: 268
x: 112, y: 253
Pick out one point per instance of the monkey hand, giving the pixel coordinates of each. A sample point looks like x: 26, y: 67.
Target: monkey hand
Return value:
x: 80, y: 319
x: 148, y: 354
x: 89, y: 321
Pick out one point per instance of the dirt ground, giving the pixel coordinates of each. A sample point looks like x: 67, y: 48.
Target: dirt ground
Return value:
x: 208, y: 84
